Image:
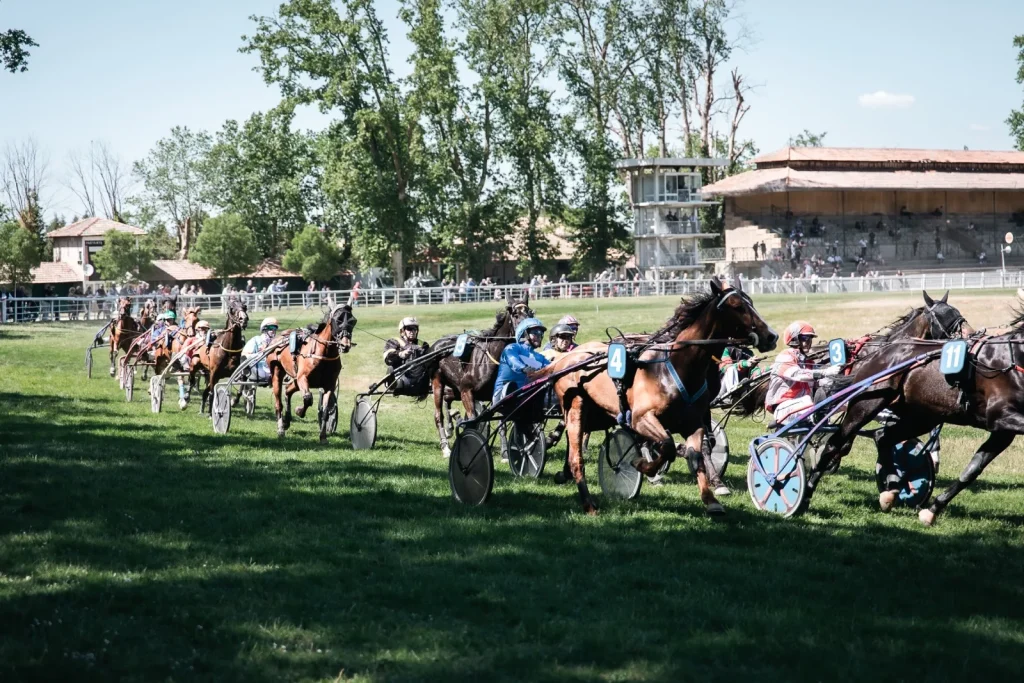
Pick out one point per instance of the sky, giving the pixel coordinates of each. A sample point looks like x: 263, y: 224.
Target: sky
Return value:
x: 872, y: 73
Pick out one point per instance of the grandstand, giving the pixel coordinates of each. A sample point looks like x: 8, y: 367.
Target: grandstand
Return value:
x: 898, y: 208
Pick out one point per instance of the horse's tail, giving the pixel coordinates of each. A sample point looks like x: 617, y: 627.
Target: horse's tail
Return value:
x: 752, y: 397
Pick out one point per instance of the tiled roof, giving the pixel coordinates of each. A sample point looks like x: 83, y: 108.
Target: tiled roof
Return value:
x: 789, y: 180
x: 887, y: 155
x: 93, y: 227
x: 55, y: 272
x: 173, y: 269
x: 271, y: 268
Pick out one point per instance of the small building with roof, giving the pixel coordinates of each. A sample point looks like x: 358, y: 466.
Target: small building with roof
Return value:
x: 666, y: 195
x: 895, y: 207
x: 73, y: 247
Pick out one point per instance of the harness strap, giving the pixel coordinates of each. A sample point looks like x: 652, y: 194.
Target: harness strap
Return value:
x: 682, y: 387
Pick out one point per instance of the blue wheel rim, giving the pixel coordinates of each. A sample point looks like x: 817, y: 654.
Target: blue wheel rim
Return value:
x: 776, y: 486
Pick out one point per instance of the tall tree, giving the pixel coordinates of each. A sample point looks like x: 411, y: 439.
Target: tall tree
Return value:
x: 122, y: 257
x: 335, y: 55
x: 312, y: 255
x: 175, y: 177
x: 13, y: 54
x: 23, y: 172
x: 1016, y: 119
x: 99, y: 179
x: 808, y: 139
x: 226, y: 246
x: 261, y: 171
x: 19, y: 254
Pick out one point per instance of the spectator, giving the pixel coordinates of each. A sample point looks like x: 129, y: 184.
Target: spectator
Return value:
x: 863, y: 248
x: 939, y: 257
x: 310, y: 297
x: 982, y: 258
x: 914, y: 245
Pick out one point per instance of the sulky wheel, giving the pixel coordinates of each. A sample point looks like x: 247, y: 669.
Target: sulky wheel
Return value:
x: 720, y: 453
x: 916, y: 471
x: 88, y: 362
x: 615, y: 471
x: 776, y: 479
x: 249, y: 398
x: 156, y: 393
x: 483, y: 427
x: 526, y: 449
x: 129, y: 383
x: 470, y: 468
x: 362, y: 426
x: 220, y: 410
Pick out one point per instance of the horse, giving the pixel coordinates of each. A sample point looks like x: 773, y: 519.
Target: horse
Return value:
x: 218, y: 359
x: 316, y: 364
x: 125, y: 329
x: 473, y: 379
x: 179, y: 337
x: 671, y: 372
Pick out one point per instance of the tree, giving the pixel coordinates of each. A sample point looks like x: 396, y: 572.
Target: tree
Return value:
x: 335, y: 55
x: 122, y: 257
x: 1016, y: 119
x: 98, y: 177
x: 808, y: 139
x: 226, y: 246
x: 23, y: 172
x: 176, y: 183
x: 19, y: 254
x: 312, y: 255
x: 13, y: 54
x: 261, y: 171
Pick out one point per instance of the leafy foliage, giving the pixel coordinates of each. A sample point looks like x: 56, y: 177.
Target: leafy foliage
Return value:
x: 1016, y: 119
x: 19, y: 253
x: 312, y: 255
x: 808, y: 139
x: 13, y: 55
x: 122, y: 257
x: 226, y: 246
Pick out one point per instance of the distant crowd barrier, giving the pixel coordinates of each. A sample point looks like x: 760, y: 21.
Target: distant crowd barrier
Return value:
x: 47, y: 309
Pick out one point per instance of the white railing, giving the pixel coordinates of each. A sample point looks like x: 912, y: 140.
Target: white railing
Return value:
x: 25, y: 310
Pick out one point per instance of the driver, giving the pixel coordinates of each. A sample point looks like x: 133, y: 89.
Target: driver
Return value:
x: 160, y: 328
x: 570, y: 323
x: 563, y: 340
x: 399, y: 352
x: 520, y: 358
x: 268, y: 330
x: 791, y: 388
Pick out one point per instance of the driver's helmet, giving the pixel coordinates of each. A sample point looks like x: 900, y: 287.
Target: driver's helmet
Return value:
x: 526, y: 325
x: 571, y: 322
x: 203, y: 325
x: 168, y: 316
x: 408, y: 322
x: 562, y: 330
x: 797, y: 329
x: 269, y: 324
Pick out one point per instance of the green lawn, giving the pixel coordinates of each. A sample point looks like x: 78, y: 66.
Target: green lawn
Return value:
x: 144, y: 547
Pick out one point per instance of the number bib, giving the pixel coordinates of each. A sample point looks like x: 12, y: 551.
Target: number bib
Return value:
x: 461, y: 343
x: 954, y: 357
x: 616, y: 361
x: 837, y: 352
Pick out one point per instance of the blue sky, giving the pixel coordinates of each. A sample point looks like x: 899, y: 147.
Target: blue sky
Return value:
x: 896, y: 73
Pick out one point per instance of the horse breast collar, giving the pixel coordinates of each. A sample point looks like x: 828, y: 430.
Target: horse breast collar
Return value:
x: 683, y: 393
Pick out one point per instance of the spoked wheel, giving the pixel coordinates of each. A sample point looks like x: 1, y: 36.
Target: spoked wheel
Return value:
x: 615, y: 471
x: 156, y: 393
x: 88, y: 362
x: 776, y: 479
x: 121, y: 369
x: 483, y: 427
x: 470, y: 468
x: 331, y: 413
x: 526, y: 450
x: 916, y: 471
x: 220, y: 410
x: 129, y: 383
x: 249, y: 398
x: 720, y: 453
x: 362, y: 426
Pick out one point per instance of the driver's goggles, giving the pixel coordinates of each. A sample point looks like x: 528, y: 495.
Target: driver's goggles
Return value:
x: 270, y: 328
x: 411, y: 328
x: 535, y: 331
x: 805, y: 337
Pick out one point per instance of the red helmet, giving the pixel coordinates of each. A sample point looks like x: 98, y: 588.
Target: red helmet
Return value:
x: 797, y: 329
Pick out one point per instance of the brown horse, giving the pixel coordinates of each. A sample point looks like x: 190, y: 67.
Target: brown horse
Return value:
x: 316, y: 364
x: 219, y: 359
x: 124, y: 329
x: 671, y: 372
x: 473, y: 379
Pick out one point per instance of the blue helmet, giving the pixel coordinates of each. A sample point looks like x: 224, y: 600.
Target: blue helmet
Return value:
x: 527, y: 324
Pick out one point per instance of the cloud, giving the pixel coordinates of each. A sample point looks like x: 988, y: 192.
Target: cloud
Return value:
x: 978, y: 127
x: 885, y: 100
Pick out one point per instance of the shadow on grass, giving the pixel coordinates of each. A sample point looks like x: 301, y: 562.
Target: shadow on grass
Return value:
x: 153, y: 558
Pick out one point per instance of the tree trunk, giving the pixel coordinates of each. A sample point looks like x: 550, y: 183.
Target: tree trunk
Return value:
x: 184, y: 238
x: 398, y: 266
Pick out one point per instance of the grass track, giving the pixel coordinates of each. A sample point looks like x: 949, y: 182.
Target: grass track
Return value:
x: 143, y: 547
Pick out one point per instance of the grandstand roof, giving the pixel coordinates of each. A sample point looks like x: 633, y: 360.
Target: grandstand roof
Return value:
x: 93, y: 227
x: 785, y: 179
x: 888, y: 155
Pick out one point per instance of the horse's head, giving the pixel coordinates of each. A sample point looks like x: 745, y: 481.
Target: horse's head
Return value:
x: 189, y: 320
x: 124, y: 306
x: 518, y: 310
x: 736, y: 317
x: 238, y: 313
x: 944, y: 321
x: 342, y: 324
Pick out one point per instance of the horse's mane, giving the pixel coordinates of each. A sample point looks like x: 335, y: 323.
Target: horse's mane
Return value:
x: 1018, y: 321
x: 898, y: 322
x: 686, y: 314
x: 500, y: 316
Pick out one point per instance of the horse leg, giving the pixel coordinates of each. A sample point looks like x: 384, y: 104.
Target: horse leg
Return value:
x: 276, y: 380
x: 113, y: 355
x: 288, y: 391
x: 438, y: 391
x: 183, y: 393
x: 996, y: 443
x: 574, y: 431
x: 650, y: 427
x: 301, y: 382
x: 885, y: 441
x: 323, y: 411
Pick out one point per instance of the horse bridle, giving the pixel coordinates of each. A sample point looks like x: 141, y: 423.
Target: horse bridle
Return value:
x: 955, y: 327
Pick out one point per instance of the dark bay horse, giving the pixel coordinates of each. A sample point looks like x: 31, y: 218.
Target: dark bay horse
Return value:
x: 219, y: 359
x: 590, y: 401
x: 473, y: 379
x: 124, y: 329
x: 316, y: 364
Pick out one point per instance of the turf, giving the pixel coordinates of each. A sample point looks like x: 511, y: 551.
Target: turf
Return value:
x: 143, y: 547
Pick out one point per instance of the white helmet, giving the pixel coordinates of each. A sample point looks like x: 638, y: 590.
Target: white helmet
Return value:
x: 408, y: 322
x: 203, y: 325
x: 268, y: 322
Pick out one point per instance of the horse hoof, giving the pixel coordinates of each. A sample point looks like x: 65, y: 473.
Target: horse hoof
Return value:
x: 715, y: 509
x: 722, y: 490
x: 562, y: 478
x: 280, y: 435
x: 886, y: 500
x: 446, y: 452
x: 926, y: 517
x: 182, y: 404
x: 323, y: 440
x: 301, y: 411
x: 590, y: 508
